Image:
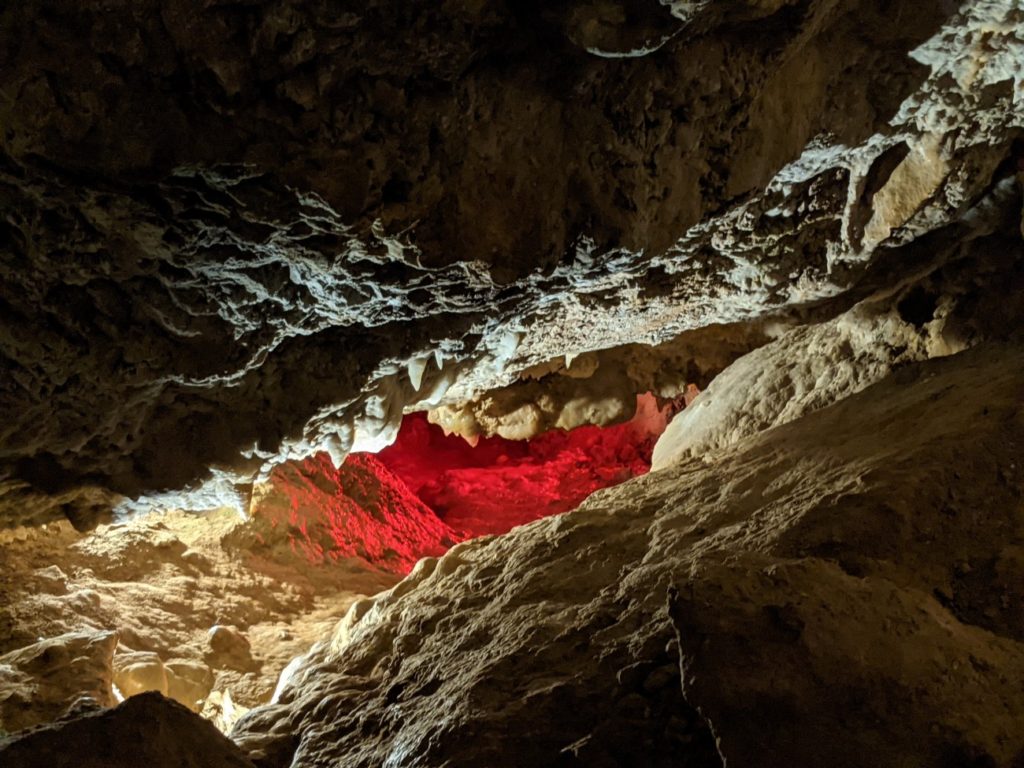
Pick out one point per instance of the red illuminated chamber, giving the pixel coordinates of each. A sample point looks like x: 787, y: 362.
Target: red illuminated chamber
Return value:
x: 429, y: 490
x: 499, y: 483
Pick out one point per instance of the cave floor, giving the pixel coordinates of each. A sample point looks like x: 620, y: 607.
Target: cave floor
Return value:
x: 161, y: 583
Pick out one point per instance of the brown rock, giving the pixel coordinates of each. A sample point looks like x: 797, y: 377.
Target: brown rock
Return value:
x: 188, y: 682
x: 806, y: 560
x: 229, y: 647
x: 39, y: 682
x: 799, y: 663
x: 135, y: 672
x: 146, y: 730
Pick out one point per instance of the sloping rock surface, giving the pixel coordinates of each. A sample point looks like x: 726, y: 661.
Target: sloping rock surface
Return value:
x: 40, y: 682
x: 146, y: 730
x: 977, y: 294
x: 150, y: 593
x: 236, y: 234
x: 358, y: 510
x: 844, y: 591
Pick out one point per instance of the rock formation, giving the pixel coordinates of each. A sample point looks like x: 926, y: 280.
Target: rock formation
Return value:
x: 240, y: 242
x: 843, y: 592
x: 41, y: 681
x: 145, y: 730
x: 210, y: 208
x: 195, y: 608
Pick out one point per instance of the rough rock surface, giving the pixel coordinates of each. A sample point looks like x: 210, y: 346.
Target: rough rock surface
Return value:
x: 40, y: 682
x: 599, y: 387
x: 976, y: 294
x: 239, y: 240
x: 357, y: 510
x: 148, y: 593
x: 861, y: 560
x: 146, y: 730
x: 236, y: 234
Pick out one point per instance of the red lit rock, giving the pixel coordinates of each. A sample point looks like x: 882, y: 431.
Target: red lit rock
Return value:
x: 820, y: 614
x: 498, y: 484
x: 361, y: 510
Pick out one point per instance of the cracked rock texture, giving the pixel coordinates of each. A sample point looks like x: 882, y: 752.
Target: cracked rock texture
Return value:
x: 205, y: 609
x: 237, y: 234
x: 238, y: 241
x: 976, y: 293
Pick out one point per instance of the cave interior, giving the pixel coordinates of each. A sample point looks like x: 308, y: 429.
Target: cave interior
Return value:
x: 511, y: 384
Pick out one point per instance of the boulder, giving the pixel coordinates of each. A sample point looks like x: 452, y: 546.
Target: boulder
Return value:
x: 146, y: 730
x: 138, y: 671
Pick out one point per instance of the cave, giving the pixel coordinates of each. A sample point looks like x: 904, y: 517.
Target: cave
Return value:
x: 489, y: 485
x: 594, y: 383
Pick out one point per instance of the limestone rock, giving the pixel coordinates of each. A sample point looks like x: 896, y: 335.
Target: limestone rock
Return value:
x: 599, y: 387
x: 188, y: 681
x: 145, y: 730
x: 221, y: 709
x: 129, y: 551
x: 813, y: 366
x: 206, y: 279
x: 161, y: 582
x: 229, y: 647
x: 135, y: 672
x: 856, y: 542
x: 358, y: 510
x: 841, y: 670
x: 40, y: 682
x: 240, y: 240
x: 51, y: 579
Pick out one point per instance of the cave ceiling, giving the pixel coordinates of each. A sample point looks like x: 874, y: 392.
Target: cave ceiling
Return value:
x: 235, y: 233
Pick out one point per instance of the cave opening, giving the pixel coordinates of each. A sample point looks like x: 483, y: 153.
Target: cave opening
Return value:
x: 432, y: 488
x: 489, y: 485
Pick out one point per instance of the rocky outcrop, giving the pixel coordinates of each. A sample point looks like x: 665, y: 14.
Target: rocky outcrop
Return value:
x: 145, y: 730
x: 40, y: 682
x: 240, y: 241
x: 186, y: 681
x: 237, y: 235
x: 975, y: 295
x: 184, y: 605
x: 842, y: 591
x: 600, y: 387
x: 359, y: 510
x: 802, y: 662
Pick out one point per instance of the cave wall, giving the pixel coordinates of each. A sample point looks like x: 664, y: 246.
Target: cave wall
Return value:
x: 236, y: 234
x: 839, y: 590
x: 240, y: 240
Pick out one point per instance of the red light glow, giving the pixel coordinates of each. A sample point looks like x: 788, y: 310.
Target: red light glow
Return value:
x: 499, y: 483
x: 360, y: 510
x: 429, y: 490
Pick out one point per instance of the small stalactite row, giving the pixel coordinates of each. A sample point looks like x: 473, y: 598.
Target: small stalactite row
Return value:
x: 497, y: 484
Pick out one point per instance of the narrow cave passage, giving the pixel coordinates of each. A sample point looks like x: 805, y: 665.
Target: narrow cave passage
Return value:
x: 431, y: 489
x: 496, y: 484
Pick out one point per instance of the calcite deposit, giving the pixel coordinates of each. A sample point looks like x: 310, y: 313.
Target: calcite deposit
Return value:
x: 242, y: 243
